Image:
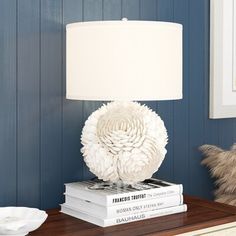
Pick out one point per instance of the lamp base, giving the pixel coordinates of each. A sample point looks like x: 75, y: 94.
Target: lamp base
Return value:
x: 124, y: 141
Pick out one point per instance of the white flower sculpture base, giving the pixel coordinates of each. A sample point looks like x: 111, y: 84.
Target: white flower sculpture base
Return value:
x: 124, y: 141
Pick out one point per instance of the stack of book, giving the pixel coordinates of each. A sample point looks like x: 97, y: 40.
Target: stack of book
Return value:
x: 107, y: 204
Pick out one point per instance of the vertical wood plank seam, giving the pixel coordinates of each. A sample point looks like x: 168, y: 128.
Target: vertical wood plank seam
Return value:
x: 102, y: 9
x: 40, y: 104
x: 205, y: 73
x: 156, y: 10
x: 173, y: 110
x: 188, y: 74
x: 189, y: 86
x: 173, y: 105
x: 203, y: 83
x: 83, y: 107
x: 61, y: 100
x: 121, y: 9
x: 206, y: 70
x: 16, y: 107
x: 188, y: 106
x: 139, y: 8
x: 62, y: 92
x: 173, y: 115
x: 40, y: 167
x: 82, y: 10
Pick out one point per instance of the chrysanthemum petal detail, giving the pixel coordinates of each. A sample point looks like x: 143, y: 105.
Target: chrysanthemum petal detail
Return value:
x: 124, y: 141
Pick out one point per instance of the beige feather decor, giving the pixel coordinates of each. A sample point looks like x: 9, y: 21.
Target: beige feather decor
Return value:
x: 222, y: 165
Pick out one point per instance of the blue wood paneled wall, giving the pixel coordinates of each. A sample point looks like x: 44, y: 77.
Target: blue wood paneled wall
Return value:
x: 40, y: 129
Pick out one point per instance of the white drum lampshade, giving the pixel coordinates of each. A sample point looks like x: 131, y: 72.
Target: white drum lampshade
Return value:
x: 124, y: 61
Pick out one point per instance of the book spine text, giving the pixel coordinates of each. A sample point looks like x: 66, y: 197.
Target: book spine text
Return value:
x: 145, y: 215
x: 144, y: 195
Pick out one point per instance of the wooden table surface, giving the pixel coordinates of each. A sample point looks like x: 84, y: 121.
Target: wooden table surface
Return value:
x: 201, y: 214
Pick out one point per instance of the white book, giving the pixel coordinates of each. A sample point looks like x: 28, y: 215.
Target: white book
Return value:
x: 106, y: 194
x: 122, y: 219
x: 123, y: 209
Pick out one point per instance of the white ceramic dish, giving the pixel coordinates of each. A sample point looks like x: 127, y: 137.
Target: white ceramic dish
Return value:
x: 19, y: 221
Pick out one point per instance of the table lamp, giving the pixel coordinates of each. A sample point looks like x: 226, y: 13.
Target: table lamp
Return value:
x: 122, y: 62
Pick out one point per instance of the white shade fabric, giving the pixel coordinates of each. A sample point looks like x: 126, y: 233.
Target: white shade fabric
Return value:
x: 124, y: 60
